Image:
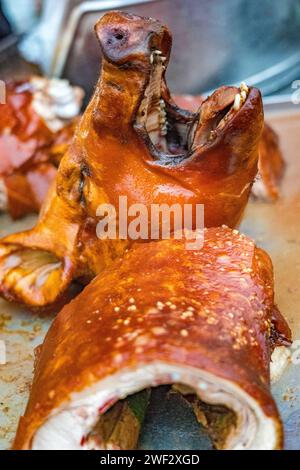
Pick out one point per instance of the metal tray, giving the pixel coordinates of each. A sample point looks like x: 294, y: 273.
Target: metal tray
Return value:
x: 275, y: 227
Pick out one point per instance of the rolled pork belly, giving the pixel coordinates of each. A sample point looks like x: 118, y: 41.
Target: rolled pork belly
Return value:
x: 202, y: 321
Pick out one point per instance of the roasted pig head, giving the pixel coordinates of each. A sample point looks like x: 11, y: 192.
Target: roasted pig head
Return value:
x: 202, y: 320
x: 133, y: 141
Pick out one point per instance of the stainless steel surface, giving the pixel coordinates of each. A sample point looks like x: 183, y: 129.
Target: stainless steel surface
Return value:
x: 276, y: 227
x: 214, y: 42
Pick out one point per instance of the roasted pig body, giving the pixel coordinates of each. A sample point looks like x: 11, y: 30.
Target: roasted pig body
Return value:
x: 201, y: 320
x: 37, y: 124
x: 134, y: 142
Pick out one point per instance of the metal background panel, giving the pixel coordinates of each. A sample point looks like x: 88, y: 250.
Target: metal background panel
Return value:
x: 214, y: 42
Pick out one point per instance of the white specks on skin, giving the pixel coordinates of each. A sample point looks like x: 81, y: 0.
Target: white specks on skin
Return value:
x: 131, y: 308
x: 152, y: 311
x: 142, y: 340
x: 186, y: 314
x: 118, y: 358
x: 184, y: 333
x: 211, y: 321
x: 157, y: 330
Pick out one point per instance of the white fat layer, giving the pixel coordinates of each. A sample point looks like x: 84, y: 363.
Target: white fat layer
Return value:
x: 3, y: 196
x: 56, y: 101
x: 69, y: 423
x: 281, y: 358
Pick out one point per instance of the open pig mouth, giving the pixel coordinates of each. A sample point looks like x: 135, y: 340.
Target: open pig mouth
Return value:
x: 173, y: 134
x: 135, y: 61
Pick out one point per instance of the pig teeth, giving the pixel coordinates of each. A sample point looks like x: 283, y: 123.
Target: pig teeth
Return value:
x: 156, y: 56
x: 241, y: 97
x: 243, y: 87
x: 237, y: 102
x: 163, y: 117
x: 164, y: 129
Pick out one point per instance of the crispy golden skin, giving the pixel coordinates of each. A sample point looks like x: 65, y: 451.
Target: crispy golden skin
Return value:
x: 210, y: 309
x: 271, y: 164
x: 115, y: 152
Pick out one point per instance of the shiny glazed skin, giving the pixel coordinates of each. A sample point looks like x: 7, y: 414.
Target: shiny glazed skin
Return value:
x: 227, y: 289
x: 271, y: 164
x: 112, y: 156
x: 30, y: 151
